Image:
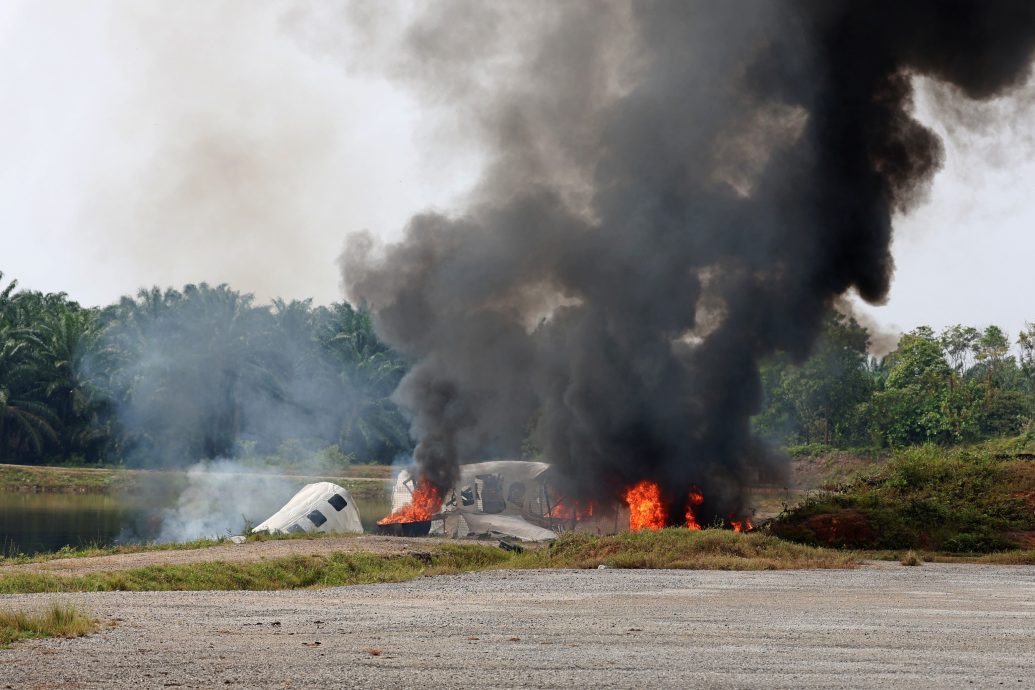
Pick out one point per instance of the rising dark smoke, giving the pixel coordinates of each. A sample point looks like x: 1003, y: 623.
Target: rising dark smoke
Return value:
x: 676, y: 190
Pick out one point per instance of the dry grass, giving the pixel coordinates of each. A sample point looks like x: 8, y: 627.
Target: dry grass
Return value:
x: 57, y: 621
x: 1026, y: 557
x: 911, y: 558
x: 1013, y: 557
x: 710, y: 549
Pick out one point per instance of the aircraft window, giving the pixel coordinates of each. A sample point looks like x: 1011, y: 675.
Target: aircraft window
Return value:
x: 516, y: 493
x: 337, y: 502
x: 317, y: 517
x: 296, y: 529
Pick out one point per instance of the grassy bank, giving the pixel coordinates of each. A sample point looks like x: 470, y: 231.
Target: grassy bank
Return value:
x: 675, y: 548
x: 57, y: 621
x: 84, y: 480
x: 712, y: 549
x: 90, y: 480
x: 958, y: 500
x: 95, y: 551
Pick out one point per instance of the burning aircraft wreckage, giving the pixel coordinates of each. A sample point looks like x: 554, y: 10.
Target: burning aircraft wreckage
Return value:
x: 514, y: 499
x: 671, y: 193
x: 521, y: 499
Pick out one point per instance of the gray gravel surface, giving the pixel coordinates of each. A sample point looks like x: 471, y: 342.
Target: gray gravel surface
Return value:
x: 878, y: 626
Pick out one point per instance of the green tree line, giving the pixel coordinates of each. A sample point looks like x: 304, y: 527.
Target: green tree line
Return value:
x: 169, y: 377
x: 957, y: 386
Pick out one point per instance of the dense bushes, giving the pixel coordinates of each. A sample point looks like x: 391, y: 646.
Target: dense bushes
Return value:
x: 962, y: 500
x: 959, y: 387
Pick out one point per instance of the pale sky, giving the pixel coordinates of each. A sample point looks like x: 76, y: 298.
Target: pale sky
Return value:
x: 166, y: 143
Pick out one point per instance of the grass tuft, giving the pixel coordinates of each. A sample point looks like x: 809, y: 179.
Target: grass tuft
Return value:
x: 911, y: 558
x: 58, y: 621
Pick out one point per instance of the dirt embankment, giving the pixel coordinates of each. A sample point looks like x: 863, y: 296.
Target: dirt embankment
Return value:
x: 230, y: 552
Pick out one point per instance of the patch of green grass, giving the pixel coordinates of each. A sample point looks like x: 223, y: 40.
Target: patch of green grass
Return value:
x: 963, y: 500
x: 291, y: 536
x: 808, y: 450
x: 293, y: 572
x: 63, y: 479
x: 57, y: 621
x: 110, y: 480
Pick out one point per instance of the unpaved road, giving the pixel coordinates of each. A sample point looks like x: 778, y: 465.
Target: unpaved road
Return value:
x: 879, y: 626
x: 229, y: 552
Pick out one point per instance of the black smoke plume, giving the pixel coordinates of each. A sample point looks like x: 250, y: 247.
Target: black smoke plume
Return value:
x: 675, y: 190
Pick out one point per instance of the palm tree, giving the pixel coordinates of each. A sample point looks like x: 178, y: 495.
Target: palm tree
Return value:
x: 369, y: 372
x: 6, y: 297
x: 68, y: 345
x: 26, y: 425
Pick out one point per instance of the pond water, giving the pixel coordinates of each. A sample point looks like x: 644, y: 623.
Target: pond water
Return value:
x: 42, y: 522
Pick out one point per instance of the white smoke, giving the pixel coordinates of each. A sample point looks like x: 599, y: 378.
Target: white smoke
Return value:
x: 223, y: 497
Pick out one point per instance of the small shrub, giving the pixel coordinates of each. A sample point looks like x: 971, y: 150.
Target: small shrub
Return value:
x: 911, y: 558
x: 58, y: 621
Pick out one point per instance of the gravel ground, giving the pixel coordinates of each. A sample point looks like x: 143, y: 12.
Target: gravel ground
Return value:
x: 879, y: 626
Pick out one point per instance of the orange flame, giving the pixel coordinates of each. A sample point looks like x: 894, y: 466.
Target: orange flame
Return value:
x: 645, y: 508
x: 424, y: 503
x: 744, y: 526
x: 695, y: 498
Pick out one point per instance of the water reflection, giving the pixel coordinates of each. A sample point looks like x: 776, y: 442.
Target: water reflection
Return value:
x: 36, y: 523
x: 31, y: 523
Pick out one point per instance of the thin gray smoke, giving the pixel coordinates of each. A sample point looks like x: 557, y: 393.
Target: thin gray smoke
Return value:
x: 675, y: 190
x: 221, y: 499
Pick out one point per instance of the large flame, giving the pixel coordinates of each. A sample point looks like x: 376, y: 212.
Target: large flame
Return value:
x: 695, y: 498
x: 422, y: 506
x: 646, y: 510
